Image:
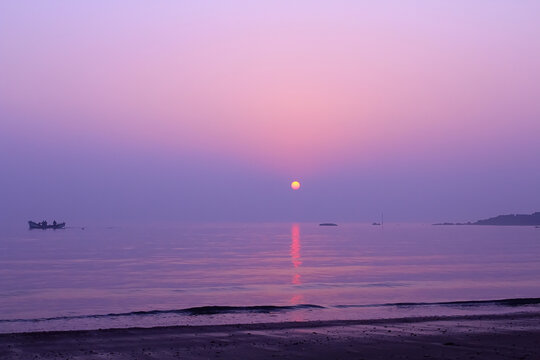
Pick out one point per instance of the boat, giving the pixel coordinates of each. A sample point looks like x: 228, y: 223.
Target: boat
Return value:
x: 327, y: 224
x: 35, y: 225
x: 379, y: 223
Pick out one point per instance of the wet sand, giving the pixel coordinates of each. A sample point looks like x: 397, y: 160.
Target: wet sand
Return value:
x: 508, y: 336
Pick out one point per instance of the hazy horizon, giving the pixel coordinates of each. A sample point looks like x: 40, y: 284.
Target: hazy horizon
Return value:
x: 426, y: 111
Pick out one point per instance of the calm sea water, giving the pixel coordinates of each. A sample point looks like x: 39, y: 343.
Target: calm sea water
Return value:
x: 169, y: 274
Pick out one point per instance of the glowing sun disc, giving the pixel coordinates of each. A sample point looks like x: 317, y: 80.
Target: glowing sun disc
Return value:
x: 295, y: 185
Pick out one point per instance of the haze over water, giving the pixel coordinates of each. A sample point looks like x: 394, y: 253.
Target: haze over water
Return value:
x: 74, y: 275
x: 203, y: 111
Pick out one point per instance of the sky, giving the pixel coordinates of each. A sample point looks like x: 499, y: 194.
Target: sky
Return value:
x: 139, y: 111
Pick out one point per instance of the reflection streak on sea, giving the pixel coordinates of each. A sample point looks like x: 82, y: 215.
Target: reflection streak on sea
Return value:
x: 296, y: 261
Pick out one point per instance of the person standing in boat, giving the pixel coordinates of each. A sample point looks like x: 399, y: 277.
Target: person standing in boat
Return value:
x: 54, y: 223
x: 44, y: 224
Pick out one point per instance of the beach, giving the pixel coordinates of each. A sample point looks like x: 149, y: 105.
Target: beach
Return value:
x: 500, y: 336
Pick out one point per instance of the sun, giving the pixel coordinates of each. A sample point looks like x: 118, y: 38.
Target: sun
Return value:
x: 295, y: 185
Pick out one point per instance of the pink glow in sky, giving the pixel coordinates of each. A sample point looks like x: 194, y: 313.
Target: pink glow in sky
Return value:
x: 393, y: 94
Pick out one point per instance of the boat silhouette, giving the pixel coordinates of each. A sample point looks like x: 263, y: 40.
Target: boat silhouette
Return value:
x: 44, y: 225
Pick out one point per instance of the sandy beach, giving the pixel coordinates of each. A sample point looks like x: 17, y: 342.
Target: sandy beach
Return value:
x: 506, y: 336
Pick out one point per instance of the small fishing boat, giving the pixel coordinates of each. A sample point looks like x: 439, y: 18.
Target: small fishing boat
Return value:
x: 43, y: 226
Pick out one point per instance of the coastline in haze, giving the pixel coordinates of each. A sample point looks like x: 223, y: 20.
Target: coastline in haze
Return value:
x: 505, y: 220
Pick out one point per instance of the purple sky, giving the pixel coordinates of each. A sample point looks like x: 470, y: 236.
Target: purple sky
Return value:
x: 206, y: 111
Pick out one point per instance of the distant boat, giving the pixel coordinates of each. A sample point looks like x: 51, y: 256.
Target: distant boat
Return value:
x: 35, y: 225
x: 379, y: 223
x: 327, y: 224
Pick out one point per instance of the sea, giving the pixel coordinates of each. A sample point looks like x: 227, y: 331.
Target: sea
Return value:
x: 97, y: 277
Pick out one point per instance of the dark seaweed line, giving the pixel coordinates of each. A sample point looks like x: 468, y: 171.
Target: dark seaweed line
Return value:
x: 500, y: 302
x: 194, y: 311
x: 265, y: 309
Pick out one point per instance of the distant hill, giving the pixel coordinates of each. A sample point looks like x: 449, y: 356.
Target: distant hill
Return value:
x: 517, y: 219
x: 506, y: 220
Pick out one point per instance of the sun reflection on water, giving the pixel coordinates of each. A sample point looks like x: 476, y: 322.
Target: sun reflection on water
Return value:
x: 297, y: 262
x: 295, y: 245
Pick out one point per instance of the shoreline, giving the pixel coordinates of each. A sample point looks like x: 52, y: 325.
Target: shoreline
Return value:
x: 497, y: 336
